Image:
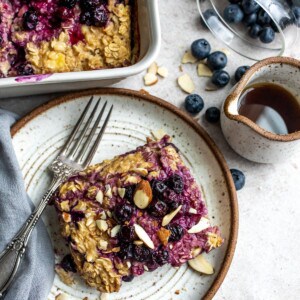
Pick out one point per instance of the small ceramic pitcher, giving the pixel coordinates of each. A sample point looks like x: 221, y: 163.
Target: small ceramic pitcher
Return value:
x: 246, y: 137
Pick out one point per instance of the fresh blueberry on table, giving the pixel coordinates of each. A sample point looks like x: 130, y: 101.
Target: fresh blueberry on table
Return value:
x: 30, y: 19
x: 250, y: 6
x: 267, y: 35
x: 255, y: 31
x: 238, y: 178
x: 240, y: 71
x: 263, y: 18
x: 212, y: 115
x: 200, y: 48
x: 296, y: 12
x: 250, y: 19
x: 193, y: 103
x: 233, y: 13
x: 220, y: 78
x: 217, y: 60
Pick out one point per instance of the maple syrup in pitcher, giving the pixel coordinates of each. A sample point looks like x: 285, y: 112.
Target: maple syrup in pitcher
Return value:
x: 271, y: 107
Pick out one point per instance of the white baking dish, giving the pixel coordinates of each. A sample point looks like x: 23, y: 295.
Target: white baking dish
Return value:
x: 150, y: 40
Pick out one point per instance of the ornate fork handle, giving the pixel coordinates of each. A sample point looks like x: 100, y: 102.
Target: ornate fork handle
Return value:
x: 10, y: 258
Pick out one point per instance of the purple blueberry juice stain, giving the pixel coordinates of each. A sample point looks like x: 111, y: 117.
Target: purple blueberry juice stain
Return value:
x: 32, y: 78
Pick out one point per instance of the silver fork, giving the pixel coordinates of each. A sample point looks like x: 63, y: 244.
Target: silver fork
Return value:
x: 75, y: 156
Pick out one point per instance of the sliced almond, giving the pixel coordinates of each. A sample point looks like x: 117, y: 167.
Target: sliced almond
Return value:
x: 188, y: 58
x: 99, y: 197
x: 196, y: 251
x: 121, y: 192
x: 163, y: 235
x: 201, y: 225
x: 186, y: 84
x: 66, y: 217
x: 109, y: 214
x: 62, y: 297
x: 143, y: 235
x: 142, y: 194
x: 150, y: 79
x: 138, y: 242
x: 192, y: 211
x: 163, y: 72
x: 200, y: 264
x: 108, y: 192
x: 102, y: 225
x: 103, y: 215
x: 115, y: 231
x: 158, y: 134
x: 204, y: 71
x: 153, y: 68
x: 103, y: 244
x: 169, y: 217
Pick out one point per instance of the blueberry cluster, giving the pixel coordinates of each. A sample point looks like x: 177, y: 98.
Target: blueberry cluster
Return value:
x: 259, y: 23
x: 216, y: 61
x: 166, y: 198
x: 93, y: 12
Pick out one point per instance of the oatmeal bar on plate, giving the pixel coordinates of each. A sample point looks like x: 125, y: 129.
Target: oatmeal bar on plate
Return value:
x: 134, y: 213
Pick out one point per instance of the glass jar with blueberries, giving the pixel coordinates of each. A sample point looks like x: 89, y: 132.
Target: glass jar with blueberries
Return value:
x: 255, y: 29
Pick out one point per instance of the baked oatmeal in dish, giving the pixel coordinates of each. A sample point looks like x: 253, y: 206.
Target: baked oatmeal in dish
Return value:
x: 133, y: 214
x: 44, y: 37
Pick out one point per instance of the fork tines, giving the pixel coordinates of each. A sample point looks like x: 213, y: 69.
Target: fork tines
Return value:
x: 83, y: 149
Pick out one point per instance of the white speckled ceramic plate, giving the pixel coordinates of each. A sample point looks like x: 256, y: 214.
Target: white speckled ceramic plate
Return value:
x: 38, y: 137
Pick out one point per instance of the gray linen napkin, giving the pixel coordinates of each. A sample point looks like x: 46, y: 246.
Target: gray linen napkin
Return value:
x: 36, y: 273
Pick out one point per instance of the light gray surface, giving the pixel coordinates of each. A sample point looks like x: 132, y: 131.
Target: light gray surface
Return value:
x: 266, y: 262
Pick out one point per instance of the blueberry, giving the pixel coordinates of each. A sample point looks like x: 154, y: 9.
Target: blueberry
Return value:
x: 296, y: 12
x: 177, y: 232
x: 123, y: 212
x: 128, y: 278
x: 207, y: 14
x: 89, y: 4
x: 233, y: 13
x: 172, y: 199
x: 30, y: 19
x: 200, y: 48
x: 255, y: 31
x: 129, y: 191
x: 212, y: 114
x: 77, y: 216
x: 284, y: 22
x: 126, y: 234
x: 141, y: 253
x: 238, y: 178
x: 161, y: 257
x: 193, y: 103
x: 126, y: 251
x: 234, y: 1
x: 100, y: 17
x: 63, y: 13
x: 250, y: 6
x: 86, y: 18
x: 68, y: 3
x: 263, y: 18
x: 68, y: 264
x: 175, y: 183
x: 24, y: 70
x: 267, y: 35
x: 158, y: 208
x: 158, y: 188
x: 240, y: 71
x: 217, y: 60
x: 250, y: 19
x: 220, y: 78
